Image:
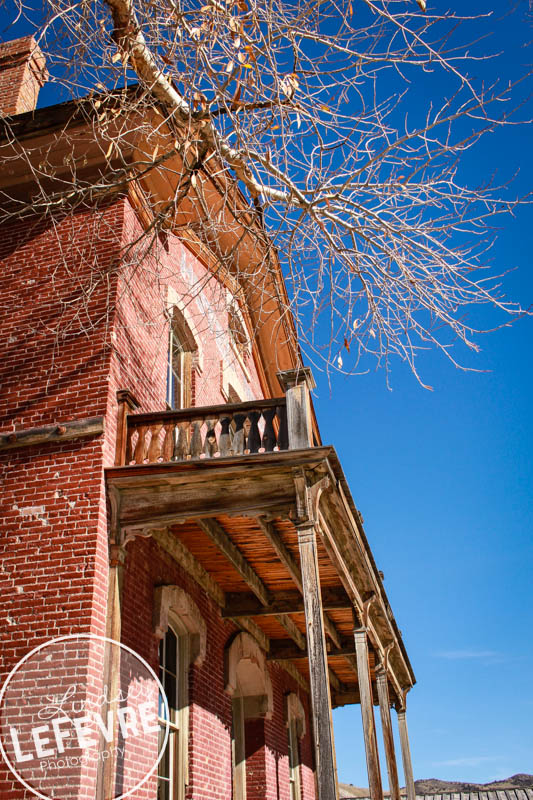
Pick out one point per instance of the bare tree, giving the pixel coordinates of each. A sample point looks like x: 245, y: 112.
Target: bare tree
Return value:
x: 306, y: 107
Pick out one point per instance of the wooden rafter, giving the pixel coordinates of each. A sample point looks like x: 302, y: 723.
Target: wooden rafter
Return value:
x: 294, y: 570
x: 281, y: 650
x: 220, y: 538
x: 243, y: 604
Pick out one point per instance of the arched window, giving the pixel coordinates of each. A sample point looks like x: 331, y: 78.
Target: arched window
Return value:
x: 181, y: 351
x: 295, y: 731
x: 182, y: 632
x: 248, y: 683
x: 170, y: 777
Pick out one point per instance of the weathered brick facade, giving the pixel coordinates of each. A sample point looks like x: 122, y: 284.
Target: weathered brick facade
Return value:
x: 80, y: 321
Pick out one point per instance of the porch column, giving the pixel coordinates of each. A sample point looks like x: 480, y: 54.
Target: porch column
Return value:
x: 406, y: 756
x: 388, y: 737
x: 326, y: 768
x: 111, y: 677
x: 367, y: 714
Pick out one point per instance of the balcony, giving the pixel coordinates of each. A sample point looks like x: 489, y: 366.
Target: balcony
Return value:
x: 247, y: 499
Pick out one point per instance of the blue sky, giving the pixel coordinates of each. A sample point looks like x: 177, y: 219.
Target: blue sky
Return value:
x: 443, y: 480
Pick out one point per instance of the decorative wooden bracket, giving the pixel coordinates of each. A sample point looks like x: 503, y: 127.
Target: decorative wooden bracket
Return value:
x: 384, y: 663
x: 308, y: 496
x: 401, y: 702
x: 365, y: 611
x: 119, y: 537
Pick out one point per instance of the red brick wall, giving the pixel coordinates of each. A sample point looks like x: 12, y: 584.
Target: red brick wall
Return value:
x: 83, y: 315
x: 22, y: 73
x: 53, y: 548
x: 267, y: 773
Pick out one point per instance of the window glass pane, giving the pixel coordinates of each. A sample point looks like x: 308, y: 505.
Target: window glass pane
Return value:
x: 171, y: 654
x: 169, y: 685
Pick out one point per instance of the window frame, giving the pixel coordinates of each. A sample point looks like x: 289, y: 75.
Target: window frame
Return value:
x: 180, y: 341
x: 178, y: 741
x: 295, y: 787
x: 238, y: 748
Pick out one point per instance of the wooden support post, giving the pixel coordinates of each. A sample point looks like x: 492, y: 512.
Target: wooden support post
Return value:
x: 406, y: 756
x: 367, y: 714
x: 126, y: 404
x: 388, y: 737
x: 297, y: 384
x: 111, y: 677
x: 318, y: 667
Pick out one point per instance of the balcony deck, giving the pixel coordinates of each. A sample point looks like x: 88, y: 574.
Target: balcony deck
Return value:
x: 217, y: 487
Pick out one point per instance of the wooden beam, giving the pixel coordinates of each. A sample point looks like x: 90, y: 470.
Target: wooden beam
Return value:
x: 293, y: 630
x: 59, y: 432
x: 183, y: 556
x: 388, y: 737
x: 326, y: 770
x: 335, y: 554
x: 244, y: 604
x: 281, y: 650
x: 406, y: 756
x: 220, y: 538
x: 367, y: 714
x: 294, y: 571
x: 218, y: 535
x: 345, y: 698
x: 282, y: 552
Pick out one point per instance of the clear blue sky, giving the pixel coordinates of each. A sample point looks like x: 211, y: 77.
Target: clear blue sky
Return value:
x: 444, y: 482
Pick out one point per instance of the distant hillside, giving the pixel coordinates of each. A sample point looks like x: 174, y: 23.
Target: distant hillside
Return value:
x: 436, y: 786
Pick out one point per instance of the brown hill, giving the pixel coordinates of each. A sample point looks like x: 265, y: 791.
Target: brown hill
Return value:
x: 436, y: 786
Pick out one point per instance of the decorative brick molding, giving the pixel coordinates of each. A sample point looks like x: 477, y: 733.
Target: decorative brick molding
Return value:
x: 247, y: 676
x: 295, y: 711
x: 172, y: 599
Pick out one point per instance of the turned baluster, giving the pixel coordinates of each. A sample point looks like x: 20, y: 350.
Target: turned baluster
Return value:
x: 239, y: 441
x: 210, y: 444
x: 196, y: 440
x: 254, y: 437
x: 129, y: 447
x: 181, y: 446
x: 140, y: 448
x: 269, y: 435
x: 168, y: 442
x: 155, y: 445
x: 224, y: 441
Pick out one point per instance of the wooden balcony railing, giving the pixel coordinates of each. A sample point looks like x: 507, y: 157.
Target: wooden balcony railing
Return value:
x: 232, y: 429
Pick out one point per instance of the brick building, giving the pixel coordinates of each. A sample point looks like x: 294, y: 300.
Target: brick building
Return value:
x: 162, y: 475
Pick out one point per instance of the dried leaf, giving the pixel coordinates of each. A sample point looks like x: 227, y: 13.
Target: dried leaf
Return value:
x: 229, y: 66
x: 116, y: 58
x: 156, y: 151
x: 109, y: 150
x: 325, y: 108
